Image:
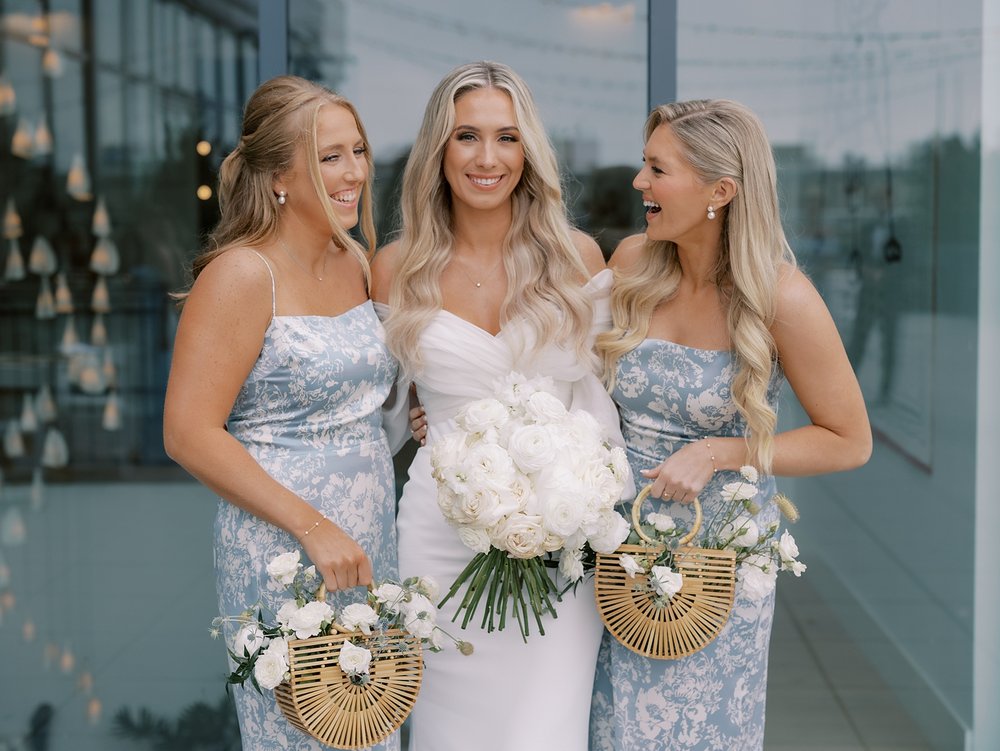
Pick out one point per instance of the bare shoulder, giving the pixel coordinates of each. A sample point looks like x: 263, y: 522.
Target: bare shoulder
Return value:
x: 238, y: 276
x: 383, y: 269
x: 796, y: 293
x: 590, y: 252
x: 628, y: 252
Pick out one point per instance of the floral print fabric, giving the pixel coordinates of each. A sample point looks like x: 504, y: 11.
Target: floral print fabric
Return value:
x: 669, y: 395
x: 310, y: 414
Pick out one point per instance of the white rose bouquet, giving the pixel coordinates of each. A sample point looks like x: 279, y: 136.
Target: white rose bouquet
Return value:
x: 522, y: 478
x: 760, y: 555
x: 260, y: 649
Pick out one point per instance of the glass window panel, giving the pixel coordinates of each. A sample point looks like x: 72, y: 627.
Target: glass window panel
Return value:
x: 187, y: 44
x: 68, y: 121
x: 228, y: 62
x: 108, y: 33
x: 248, y: 64
x: 206, y: 59
x: 138, y: 49
x: 165, y: 42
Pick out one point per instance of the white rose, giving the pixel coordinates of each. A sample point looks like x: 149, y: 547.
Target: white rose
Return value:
x: 358, y: 615
x: 419, y: 605
x: 482, y: 415
x: 248, y: 640
x: 271, y: 667
x: 619, y: 464
x: 561, y: 510
x: 522, y: 536
x: 419, y: 616
x: 743, y: 531
x: 390, y: 596
x: 284, y: 567
x: 661, y: 522
x: 447, y: 460
x: 749, y: 473
x: 531, y: 448
x: 612, y: 530
x: 738, y: 491
x: 308, y: 620
x: 665, y: 581
x: 354, y: 660
x: 544, y: 408
x: 490, y: 466
x: 571, y: 564
x: 475, y: 539
x: 754, y: 583
x: 483, y: 507
x: 786, y: 547
x: 285, y: 612
x: 427, y: 586
x: 515, y: 388
x: 631, y: 565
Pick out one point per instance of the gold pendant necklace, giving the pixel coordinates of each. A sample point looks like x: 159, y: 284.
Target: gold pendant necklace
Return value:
x: 297, y: 263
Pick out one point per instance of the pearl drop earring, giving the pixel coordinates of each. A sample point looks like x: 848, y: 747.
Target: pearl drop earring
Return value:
x: 711, y: 212
x: 282, y: 197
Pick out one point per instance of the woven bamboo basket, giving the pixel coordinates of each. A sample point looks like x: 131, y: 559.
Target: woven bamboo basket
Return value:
x: 692, y: 618
x: 320, y: 699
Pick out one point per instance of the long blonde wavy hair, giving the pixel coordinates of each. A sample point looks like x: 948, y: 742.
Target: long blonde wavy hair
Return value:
x: 544, y: 269
x: 279, y: 117
x: 720, y: 138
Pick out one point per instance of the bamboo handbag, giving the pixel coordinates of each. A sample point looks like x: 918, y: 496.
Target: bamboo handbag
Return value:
x: 322, y: 701
x: 692, y: 618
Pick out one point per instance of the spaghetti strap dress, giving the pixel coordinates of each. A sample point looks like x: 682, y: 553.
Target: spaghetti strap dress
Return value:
x: 310, y: 413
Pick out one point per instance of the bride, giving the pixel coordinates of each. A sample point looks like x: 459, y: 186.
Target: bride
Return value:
x: 488, y: 278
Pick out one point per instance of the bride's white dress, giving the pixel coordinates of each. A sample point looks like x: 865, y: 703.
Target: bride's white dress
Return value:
x: 508, y: 695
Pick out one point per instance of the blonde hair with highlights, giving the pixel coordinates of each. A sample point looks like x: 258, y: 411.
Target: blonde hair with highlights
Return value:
x: 720, y: 138
x: 543, y: 266
x: 280, y: 118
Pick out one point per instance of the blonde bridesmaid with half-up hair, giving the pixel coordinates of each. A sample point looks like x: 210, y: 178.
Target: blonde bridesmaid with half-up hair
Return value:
x: 711, y: 315
x: 486, y: 278
x: 280, y: 369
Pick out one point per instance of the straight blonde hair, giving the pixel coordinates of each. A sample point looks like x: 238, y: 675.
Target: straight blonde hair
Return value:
x: 543, y: 266
x: 720, y: 138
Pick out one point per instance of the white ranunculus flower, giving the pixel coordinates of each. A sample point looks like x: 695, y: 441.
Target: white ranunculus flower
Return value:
x: 390, y: 596
x: 271, y: 667
x: 611, y: 532
x: 544, y: 407
x: 482, y: 415
x: 786, y: 547
x: 562, y: 511
x: 754, y: 583
x: 522, y: 536
x: 285, y: 612
x: 284, y: 567
x: 631, y: 565
x: 531, y: 448
x: 571, y: 564
x: 619, y: 463
x: 475, y: 539
x: 665, y: 581
x: 661, y: 522
x: 419, y: 616
x: 358, y: 615
x: 354, y: 660
x: 308, y: 620
x: 515, y: 389
x: 749, y: 473
x: 743, y: 531
x: 248, y: 639
x: 738, y: 491
x: 488, y: 465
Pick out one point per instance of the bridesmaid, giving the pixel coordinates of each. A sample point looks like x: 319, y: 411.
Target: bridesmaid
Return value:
x: 280, y: 369
x: 710, y: 316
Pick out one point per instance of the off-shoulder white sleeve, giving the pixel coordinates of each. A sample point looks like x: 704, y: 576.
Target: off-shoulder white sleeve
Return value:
x: 396, y: 408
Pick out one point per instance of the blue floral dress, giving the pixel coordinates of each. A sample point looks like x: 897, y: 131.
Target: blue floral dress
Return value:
x: 310, y: 414
x: 669, y: 395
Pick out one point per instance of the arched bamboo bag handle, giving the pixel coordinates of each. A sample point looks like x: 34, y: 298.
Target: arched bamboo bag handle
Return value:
x: 691, y: 619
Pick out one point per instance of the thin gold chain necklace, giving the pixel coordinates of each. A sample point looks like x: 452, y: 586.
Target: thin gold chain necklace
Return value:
x: 468, y: 276
x: 297, y: 263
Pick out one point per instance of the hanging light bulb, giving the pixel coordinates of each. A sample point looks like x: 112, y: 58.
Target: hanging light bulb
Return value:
x: 29, y: 418
x: 78, y: 180
x: 85, y: 682
x: 55, y: 452
x: 90, y: 379
x: 8, y: 98
x: 100, y: 302
x: 14, y: 269
x: 111, y: 420
x: 69, y: 338
x: 7, y: 600
x: 13, y: 441
x: 108, y: 369
x: 22, y: 143
x: 101, y: 224
x: 52, y: 63
x: 11, y: 221
x: 105, y: 259
x: 28, y: 630
x: 42, y: 259
x: 45, y: 306
x: 63, y: 297
x: 99, y: 332
x: 67, y: 660
x: 42, y: 140
x: 12, y: 529
x: 37, y: 492
x: 45, y: 405
x: 94, y: 710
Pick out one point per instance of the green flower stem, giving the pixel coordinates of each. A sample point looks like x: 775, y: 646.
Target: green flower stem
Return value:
x: 504, y: 594
x: 472, y: 566
x: 496, y: 581
x: 475, y: 592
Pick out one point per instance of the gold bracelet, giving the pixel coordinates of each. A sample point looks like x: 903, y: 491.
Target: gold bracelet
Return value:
x: 318, y: 522
x: 711, y: 456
